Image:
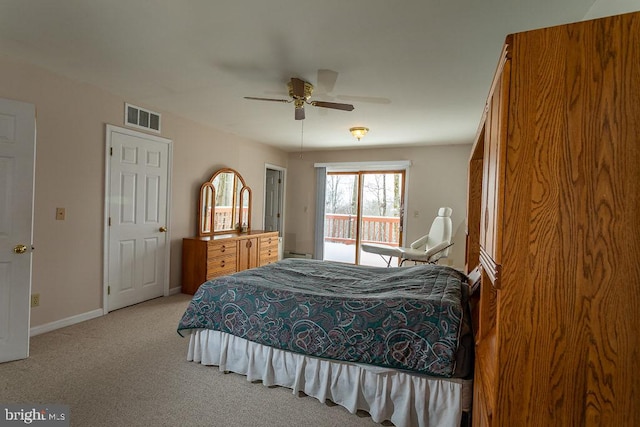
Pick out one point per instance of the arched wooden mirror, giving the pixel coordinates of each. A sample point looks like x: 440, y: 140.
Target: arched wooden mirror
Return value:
x: 225, y: 204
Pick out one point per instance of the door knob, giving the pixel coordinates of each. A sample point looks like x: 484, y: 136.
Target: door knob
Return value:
x: 163, y: 229
x: 19, y: 249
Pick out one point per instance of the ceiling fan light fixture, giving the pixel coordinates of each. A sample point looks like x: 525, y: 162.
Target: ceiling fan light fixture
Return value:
x: 358, y: 132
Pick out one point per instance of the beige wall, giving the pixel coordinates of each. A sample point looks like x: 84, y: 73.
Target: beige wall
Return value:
x: 71, y: 118
x: 197, y: 153
x: 602, y: 8
x: 70, y: 163
x: 437, y: 177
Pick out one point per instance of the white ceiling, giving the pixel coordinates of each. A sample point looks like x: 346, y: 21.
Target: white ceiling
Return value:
x: 426, y: 64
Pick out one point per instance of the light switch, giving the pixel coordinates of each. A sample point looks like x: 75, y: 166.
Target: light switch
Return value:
x: 60, y: 214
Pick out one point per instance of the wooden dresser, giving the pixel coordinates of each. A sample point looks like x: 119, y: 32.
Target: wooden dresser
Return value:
x: 206, y: 257
x: 554, y: 223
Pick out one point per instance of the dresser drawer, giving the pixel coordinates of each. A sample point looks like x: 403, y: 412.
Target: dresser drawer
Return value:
x: 221, y: 266
x: 268, y: 259
x: 268, y: 249
x: 221, y: 249
x: 222, y: 270
x: 270, y: 241
x: 269, y: 252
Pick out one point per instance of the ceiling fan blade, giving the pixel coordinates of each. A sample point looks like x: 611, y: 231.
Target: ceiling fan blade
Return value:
x: 267, y: 99
x: 326, y: 81
x: 369, y: 99
x: 300, y: 113
x: 297, y: 87
x: 334, y: 105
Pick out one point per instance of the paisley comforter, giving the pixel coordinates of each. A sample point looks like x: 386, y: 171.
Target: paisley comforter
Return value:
x: 408, y: 318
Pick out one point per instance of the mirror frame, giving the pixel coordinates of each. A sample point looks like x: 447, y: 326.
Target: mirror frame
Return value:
x: 241, y: 203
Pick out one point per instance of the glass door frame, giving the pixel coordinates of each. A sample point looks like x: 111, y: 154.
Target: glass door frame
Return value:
x: 360, y: 175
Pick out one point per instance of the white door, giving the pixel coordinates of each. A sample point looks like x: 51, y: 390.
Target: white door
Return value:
x: 137, y: 217
x: 17, y: 160
x: 272, y: 200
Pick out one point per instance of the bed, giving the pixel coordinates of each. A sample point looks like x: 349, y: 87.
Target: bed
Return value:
x: 394, y: 342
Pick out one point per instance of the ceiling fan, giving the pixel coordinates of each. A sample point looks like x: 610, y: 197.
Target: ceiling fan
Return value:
x: 300, y: 92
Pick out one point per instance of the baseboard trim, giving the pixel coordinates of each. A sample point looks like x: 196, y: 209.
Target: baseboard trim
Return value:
x: 48, y: 327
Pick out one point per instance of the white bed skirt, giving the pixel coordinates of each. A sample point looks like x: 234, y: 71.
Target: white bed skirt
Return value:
x: 405, y: 399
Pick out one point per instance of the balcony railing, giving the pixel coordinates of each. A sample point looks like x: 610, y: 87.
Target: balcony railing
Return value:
x: 375, y: 229
x: 223, y: 219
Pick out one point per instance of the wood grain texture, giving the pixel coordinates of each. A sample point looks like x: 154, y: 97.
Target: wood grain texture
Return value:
x: 494, y: 163
x: 568, y: 311
x: 248, y: 253
x: 474, y: 197
x: 268, y: 249
x: 206, y: 257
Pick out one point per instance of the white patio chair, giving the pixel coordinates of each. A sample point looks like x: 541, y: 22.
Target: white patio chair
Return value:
x: 427, y: 249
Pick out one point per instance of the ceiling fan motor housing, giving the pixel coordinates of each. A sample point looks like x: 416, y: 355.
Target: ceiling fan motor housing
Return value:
x: 308, y: 90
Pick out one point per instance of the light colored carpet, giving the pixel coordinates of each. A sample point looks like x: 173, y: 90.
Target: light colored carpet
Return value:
x: 129, y: 368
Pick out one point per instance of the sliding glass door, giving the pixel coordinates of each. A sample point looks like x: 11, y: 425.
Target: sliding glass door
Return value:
x: 382, y: 214
x: 362, y: 207
x: 341, y: 217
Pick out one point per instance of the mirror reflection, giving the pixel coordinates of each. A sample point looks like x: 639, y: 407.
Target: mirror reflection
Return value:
x: 245, y: 196
x: 206, y: 201
x: 225, y: 204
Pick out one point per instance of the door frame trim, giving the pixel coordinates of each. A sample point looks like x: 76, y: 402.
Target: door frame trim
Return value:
x: 283, y: 187
x: 107, y: 191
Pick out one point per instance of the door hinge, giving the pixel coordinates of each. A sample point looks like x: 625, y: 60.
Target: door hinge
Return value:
x: 109, y: 222
x: 108, y: 290
x: 111, y: 151
x: 279, y: 181
x: 278, y: 215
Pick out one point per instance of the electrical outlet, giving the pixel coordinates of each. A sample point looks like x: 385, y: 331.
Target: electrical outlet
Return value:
x: 35, y: 300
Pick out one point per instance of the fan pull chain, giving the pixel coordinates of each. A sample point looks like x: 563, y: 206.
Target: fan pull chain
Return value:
x: 301, y: 137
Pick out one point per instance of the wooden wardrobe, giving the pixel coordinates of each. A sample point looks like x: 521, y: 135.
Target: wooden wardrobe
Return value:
x: 554, y: 224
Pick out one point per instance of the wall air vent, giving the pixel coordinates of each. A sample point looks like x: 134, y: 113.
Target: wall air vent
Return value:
x: 141, y: 118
